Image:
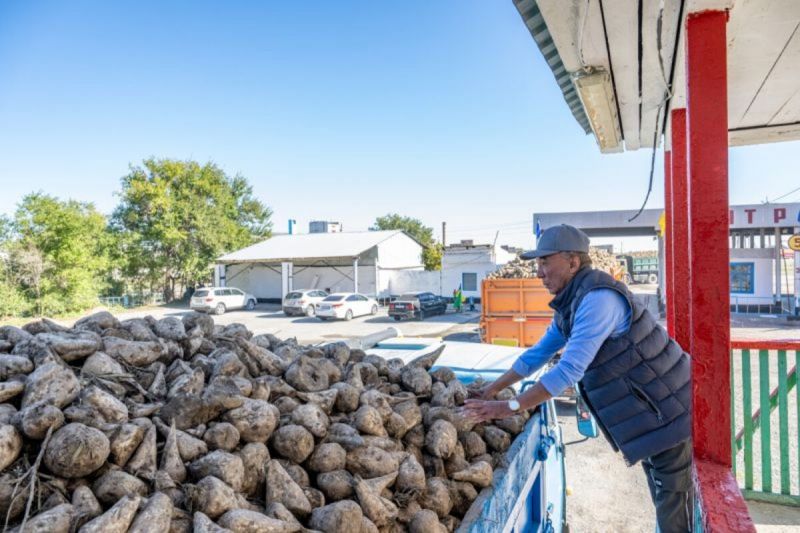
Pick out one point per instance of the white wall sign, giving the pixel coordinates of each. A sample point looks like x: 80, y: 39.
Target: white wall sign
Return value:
x: 764, y: 216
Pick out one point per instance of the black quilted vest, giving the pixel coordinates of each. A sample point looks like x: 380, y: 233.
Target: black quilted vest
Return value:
x: 638, y: 385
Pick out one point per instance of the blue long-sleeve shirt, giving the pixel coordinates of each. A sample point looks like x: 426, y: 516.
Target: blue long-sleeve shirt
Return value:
x: 602, y: 313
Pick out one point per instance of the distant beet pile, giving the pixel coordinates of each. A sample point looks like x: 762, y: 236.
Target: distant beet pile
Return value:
x: 148, y: 425
x: 519, y: 268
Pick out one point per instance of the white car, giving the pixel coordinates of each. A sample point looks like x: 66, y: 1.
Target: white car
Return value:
x: 346, y: 305
x: 303, y: 302
x: 221, y: 299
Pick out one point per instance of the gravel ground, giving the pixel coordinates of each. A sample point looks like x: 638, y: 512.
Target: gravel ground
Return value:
x: 774, y: 518
x: 606, y: 495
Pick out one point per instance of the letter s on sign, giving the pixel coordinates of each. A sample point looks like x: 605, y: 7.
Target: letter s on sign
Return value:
x: 779, y: 214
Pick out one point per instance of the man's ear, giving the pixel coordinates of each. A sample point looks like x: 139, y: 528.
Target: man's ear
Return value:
x: 574, y: 263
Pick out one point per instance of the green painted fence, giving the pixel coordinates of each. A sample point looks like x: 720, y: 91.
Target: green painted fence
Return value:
x: 765, y: 419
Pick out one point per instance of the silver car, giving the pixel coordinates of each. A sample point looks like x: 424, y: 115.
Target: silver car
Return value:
x: 303, y: 302
x: 221, y: 299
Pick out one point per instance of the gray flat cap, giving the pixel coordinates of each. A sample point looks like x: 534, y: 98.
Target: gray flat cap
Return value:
x: 561, y: 238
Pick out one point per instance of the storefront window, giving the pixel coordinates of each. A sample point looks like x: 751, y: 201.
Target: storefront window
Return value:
x: 742, y: 276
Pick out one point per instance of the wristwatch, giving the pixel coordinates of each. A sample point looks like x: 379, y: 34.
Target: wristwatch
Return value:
x: 513, y: 405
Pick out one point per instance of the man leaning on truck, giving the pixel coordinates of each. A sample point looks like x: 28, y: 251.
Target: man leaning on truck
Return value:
x: 632, y: 375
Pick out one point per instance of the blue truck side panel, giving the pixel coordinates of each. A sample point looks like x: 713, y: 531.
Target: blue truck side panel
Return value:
x: 528, y: 496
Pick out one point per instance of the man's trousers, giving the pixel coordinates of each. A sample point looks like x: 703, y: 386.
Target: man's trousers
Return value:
x: 669, y: 475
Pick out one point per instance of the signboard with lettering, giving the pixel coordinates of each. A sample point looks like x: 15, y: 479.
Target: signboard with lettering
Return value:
x: 794, y: 242
x: 764, y: 216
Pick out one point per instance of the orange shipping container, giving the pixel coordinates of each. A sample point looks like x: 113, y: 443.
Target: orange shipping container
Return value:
x: 514, y: 311
x: 506, y: 331
x: 515, y: 297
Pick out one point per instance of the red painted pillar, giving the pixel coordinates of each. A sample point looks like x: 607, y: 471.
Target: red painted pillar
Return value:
x: 680, y: 229
x: 707, y: 126
x: 719, y: 499
x: 668, y: 266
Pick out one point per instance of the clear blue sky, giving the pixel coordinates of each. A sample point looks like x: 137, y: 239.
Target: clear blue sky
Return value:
x: 340, y: 110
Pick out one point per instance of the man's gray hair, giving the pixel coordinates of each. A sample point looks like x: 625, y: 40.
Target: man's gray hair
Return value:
x: 585, y: 259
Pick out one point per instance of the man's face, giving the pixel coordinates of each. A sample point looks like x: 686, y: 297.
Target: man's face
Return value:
x: 557, y: 270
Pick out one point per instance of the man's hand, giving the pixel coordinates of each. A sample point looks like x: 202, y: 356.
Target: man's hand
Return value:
x: 481, y: 410
x: 486, y: 392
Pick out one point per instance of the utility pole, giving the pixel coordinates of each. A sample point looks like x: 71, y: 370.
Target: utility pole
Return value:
x: 444, y: 234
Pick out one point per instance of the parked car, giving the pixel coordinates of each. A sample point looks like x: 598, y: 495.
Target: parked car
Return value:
x: 346, y: 305
x: 303, y: 302
x: 417, y: 305
x: 221, y: 299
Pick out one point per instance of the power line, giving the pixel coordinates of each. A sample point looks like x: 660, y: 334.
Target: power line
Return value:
x: 667, y: 97
x: 493, y: 226
x: 785, y: 195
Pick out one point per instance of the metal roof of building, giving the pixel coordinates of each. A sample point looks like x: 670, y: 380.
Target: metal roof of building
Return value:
x: 310, y: 246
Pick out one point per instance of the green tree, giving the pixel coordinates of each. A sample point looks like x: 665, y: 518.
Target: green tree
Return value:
x: 432, y: 250
x: 6, y: 232
x: 60, y: 253
x: 176, y: 217
x: 12, y: 301
x: 432, y: 256
x: 27, y: 267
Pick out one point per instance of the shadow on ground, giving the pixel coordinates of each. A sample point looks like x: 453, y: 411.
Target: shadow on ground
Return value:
x: 463, y: 336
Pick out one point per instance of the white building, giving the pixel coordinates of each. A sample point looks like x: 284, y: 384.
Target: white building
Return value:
x: 466, y: 264
x: 364, y: 262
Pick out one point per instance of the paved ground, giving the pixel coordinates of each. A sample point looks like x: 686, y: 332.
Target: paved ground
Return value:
x: 268, y: 318
x: 606, y: 495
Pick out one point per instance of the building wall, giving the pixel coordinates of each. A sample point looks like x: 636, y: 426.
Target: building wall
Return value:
x: 259, y: 281
x: 478, y: 261
x: 453, y: 278
x: 760, y: 264
x: 398, y: 282
x: 400, y: 251
x: 338, y: 280
x: 265, y: 283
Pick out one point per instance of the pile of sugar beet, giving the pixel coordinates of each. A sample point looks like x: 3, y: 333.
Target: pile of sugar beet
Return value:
x: 178, y: 424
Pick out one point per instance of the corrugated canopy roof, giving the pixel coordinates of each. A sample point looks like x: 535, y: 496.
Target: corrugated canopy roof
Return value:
x: 644, y: 52
x: 309, y: 246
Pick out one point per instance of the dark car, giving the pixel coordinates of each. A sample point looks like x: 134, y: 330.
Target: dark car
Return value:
x: 417, y: 305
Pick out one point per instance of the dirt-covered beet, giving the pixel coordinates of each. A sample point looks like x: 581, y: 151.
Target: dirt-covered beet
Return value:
x: 10, y: 445
x: 328, y: 457
x: 293, y: 442
x: 76, y: 450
